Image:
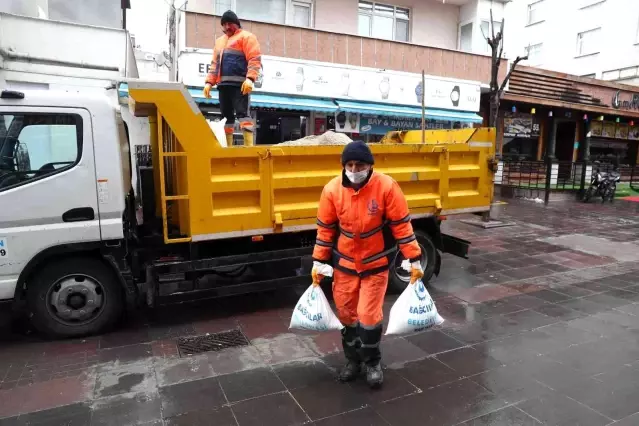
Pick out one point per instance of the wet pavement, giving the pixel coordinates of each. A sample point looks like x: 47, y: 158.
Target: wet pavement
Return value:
x: 542, y: 327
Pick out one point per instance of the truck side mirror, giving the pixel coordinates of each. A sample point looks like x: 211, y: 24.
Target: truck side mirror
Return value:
x: 23, y: 162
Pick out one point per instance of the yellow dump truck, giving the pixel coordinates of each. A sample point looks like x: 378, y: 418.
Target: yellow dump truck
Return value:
x: 209, y: 221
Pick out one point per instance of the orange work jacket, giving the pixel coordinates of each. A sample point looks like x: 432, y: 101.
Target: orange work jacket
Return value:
x: 360, y: 229
x: 235, y: 59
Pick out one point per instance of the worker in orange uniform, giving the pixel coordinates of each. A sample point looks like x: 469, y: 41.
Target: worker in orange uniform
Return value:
x: 235, y: 66
x: 362, y: 216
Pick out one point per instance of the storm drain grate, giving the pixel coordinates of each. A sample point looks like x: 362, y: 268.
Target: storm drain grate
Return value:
x: 210, y: 342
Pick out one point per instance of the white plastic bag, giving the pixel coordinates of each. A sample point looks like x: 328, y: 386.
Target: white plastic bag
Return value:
x: 313, y: 312
x: 413, y: 311
x: 218, y: 130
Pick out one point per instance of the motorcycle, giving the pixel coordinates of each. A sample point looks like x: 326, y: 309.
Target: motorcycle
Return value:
x: 602, y: 184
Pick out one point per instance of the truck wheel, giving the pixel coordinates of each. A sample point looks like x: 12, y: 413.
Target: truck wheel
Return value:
x: 74, y: 297
x: 399, y: 278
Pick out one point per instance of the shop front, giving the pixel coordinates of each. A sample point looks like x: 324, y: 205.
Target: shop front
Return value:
x: 568, y: 118
x: 294, y: 98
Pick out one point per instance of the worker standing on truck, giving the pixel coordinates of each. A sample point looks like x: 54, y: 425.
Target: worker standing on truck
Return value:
x: 235, y: 66
x: 362, y: 216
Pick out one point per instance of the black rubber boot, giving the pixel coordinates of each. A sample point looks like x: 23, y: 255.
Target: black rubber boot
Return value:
x: 374, y: 376
x: 351, y: 345
x: 371, y: 354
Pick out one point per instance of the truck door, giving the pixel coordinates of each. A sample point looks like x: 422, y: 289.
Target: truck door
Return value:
x: 48, y: 195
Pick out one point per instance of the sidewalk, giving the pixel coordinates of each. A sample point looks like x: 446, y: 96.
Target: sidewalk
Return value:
x: 542, y: 327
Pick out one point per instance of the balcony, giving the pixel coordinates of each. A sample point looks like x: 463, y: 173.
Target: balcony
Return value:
x: 324, y: 46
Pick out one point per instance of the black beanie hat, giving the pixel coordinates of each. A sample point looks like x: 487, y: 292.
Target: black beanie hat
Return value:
x: 357, y: 151
x: 230, y: 17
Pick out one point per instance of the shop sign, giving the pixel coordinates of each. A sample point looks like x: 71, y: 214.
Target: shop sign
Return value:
x: 309, y: 78
x: 380, y: 125
x: 632, y: 103
x: 520, y: 125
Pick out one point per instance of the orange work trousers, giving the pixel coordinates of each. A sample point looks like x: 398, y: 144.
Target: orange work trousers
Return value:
x: 359, y: 299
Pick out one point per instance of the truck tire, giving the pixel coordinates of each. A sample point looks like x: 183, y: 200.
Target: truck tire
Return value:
x: 74, y: 297
x: 398, y: 278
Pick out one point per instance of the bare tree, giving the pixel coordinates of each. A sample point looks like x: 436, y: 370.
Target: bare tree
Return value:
x: 496, y: 43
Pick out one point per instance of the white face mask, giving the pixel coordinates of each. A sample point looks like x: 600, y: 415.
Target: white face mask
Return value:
x: 357, y: 177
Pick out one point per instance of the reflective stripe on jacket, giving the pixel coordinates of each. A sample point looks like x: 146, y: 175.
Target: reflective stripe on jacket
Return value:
x: 235, y: 59
x: 360, y: 229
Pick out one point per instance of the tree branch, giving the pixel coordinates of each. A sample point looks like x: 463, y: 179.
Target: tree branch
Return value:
x: 512, y: 68
x: 491, y: 22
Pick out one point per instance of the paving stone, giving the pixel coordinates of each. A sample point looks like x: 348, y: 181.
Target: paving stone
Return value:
x: 395, y: 386
x: 434, y: 342
x: 284, y: 350
x: 557, y: 409
x: 233, y: 360
x: 124, y: 354
x: 448, y: 404
x: 177, y: 370
x: 329, y: 399
x: 127, y: 410
x: 132, y: 378
x: 398, y: 351
x: 363, y: 417
x: 250, y: 384
x: 469, y: 361
x: 191, y: 396
x: 299, y: 374
x: 505, y: 416
x: 222, y: 416
x: 279, y: 409
x: 68, y: 415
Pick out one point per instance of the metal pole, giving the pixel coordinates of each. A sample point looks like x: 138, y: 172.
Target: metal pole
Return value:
x: 423, y: 107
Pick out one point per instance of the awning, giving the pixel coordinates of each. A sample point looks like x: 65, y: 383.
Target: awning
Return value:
x: 407, y: 111
x: 261, y: 100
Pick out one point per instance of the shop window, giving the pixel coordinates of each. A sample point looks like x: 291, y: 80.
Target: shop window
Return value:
x: 466, y: 38
x: 534, y: 52
x: 535, y: 12
x: 383, y: 21
x: 34, y: 146
x: 588, y: 42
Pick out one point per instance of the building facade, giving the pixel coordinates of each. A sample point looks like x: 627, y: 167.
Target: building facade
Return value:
x: 565, y: 118
x: 350, y: 71
x: 590, y: 38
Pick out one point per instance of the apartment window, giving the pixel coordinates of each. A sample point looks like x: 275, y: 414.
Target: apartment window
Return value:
x: 383, y: 21
x: 466, y: 38
x: 293, y: 12
x: 302, y: 13
x: 588, y: 42
x: 37, y: 146
x: 222, y: 6
x: 487, y: 31
x: 535, y: 12
x: 534, y: 53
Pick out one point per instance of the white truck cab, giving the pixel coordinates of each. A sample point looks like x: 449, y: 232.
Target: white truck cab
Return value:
x: 64, y: 178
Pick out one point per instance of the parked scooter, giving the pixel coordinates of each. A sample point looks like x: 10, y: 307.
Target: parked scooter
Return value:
x: 603, y: 185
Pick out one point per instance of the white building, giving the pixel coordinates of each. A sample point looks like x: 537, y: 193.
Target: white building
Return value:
x: 591, y: 38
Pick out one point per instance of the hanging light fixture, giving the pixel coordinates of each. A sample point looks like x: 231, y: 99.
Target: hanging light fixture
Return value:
x: 632, y: 123
x: 585, y: 117
x: 514, y: 108
x: 549, y: 113
x: 601, y: 118
x: 617, y: 120
x: 533, y: 111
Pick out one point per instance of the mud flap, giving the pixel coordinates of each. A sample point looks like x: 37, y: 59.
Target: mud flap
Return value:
x: 438, y: 264
x: 456, y: 246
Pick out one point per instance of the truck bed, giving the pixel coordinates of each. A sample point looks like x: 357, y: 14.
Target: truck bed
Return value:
x: 209, y: 192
